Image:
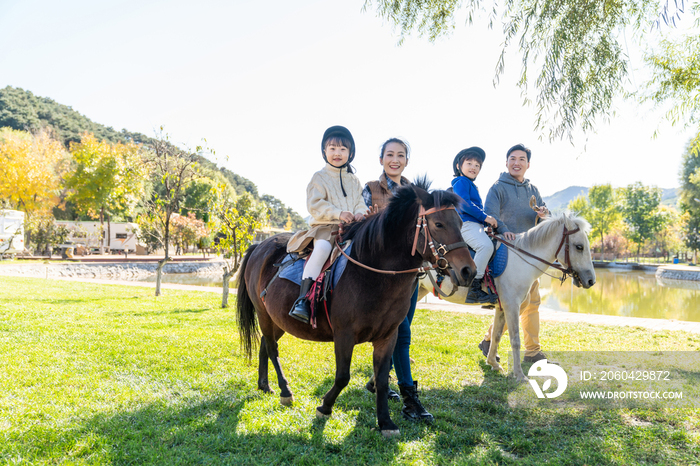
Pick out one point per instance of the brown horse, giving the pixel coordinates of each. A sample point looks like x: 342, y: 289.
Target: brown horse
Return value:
x: 366, y: 306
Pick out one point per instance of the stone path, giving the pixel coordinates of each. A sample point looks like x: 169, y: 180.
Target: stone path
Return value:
x: 546, y: 314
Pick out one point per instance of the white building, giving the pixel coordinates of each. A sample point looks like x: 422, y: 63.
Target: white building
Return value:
x: 11, y: 232
x: 122, y: 235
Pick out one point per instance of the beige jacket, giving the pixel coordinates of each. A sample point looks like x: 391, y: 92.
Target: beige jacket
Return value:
x: 325, y: 199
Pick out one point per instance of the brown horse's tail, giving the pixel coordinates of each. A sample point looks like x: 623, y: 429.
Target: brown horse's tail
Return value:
x: 247, y: 316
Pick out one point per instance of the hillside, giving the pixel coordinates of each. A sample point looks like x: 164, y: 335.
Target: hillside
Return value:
x: 558, y: 201
x: 22, y: 110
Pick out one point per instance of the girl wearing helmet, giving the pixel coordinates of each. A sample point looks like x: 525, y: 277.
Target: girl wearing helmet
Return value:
x: 334, y: 195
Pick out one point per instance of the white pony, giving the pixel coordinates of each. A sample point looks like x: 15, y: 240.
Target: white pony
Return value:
x: 563, y: 238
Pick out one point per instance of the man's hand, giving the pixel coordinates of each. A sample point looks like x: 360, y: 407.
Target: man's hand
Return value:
x: 509, y: 235
x: 542, y: 212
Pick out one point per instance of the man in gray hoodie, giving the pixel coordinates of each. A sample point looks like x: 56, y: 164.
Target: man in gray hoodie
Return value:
x: 508, y: 201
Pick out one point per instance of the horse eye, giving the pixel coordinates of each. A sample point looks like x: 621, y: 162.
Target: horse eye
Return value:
x: 579, y: 248
x: 438, y: 225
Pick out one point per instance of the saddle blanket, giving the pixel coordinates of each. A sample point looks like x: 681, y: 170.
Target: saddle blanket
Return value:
x: 498, y: 262
x: 293, y: 271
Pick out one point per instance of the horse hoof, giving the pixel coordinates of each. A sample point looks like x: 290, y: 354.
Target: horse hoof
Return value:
x: 389, y: 434
x: 320, y: 415
x: 287, y: 400
x: 495, y: 366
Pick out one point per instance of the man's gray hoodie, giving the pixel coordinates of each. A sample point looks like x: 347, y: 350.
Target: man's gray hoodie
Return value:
x: 508, y: 201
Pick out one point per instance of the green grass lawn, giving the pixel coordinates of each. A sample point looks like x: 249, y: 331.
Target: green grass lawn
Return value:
x: 97, y: 374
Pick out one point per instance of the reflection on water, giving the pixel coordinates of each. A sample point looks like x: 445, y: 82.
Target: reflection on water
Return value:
x: 616, y: 293
x: 625, y: 293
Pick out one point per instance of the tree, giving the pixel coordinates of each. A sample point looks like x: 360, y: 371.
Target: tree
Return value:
x: 605, y: 212
x: 31, y: 165
x: 580, y: 206
x: 187, y: 230
x: 105, y: 178
x: 578, y: 49
x: 236, y: 219
x: 640, y: 211
x: 172, y: 169
x: 690, y: 194
x: 45, y: 233
x: 282, y: 216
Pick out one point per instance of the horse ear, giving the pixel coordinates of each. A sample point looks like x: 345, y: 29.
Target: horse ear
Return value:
x: 423, y: 197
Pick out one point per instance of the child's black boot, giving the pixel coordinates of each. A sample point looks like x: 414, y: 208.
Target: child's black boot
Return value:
x: 301, y: 309
x: 476, y: 294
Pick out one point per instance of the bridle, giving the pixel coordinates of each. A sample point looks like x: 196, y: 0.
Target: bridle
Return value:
x: 563, y: 243
x: 439, y: 252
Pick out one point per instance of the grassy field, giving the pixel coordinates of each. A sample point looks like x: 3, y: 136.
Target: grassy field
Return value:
x: 96, y: 374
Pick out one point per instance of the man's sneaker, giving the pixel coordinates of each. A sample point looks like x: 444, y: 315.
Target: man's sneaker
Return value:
x: 484, y: 347
x: 537, y: 357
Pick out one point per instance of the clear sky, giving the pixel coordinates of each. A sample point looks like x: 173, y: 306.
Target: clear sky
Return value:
x: 261, y: 81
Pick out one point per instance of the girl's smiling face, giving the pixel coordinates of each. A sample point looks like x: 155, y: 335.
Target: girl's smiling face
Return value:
x: 394, y: 159
x: 337, y: 154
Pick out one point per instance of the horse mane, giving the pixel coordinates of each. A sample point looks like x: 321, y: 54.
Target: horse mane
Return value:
x: 537, y: 236
x: 373, y: 235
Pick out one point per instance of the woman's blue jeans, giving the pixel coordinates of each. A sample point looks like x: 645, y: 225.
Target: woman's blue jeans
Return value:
x: 401, y: 358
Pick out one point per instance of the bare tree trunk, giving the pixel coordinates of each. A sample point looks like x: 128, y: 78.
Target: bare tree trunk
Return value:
x: 159, y: 272
x: 102, y: 230
x: 109, y: 232
x: 228, y: 273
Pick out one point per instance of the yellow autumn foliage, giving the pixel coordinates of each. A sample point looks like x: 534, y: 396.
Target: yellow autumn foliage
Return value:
x: 31, y: 166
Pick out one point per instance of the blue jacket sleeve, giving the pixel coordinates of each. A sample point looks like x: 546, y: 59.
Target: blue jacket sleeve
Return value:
x: 468, y: 192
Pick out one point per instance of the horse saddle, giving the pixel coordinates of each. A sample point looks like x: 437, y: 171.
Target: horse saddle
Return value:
x: 498, y: 261
x: 293, y: 266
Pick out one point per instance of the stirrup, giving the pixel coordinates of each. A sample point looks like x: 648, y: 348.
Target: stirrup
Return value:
x: 300, y: 311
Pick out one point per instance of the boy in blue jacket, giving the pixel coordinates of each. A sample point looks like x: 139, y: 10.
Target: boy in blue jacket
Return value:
x: 467, y: 165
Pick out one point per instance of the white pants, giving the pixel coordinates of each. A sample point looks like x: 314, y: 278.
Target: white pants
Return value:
x: 318, y: 257
x: 475, y: 236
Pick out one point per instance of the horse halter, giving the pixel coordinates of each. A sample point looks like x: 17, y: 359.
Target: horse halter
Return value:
x: 438, y: 252
x: 441, y: 263
x: 565, y: 242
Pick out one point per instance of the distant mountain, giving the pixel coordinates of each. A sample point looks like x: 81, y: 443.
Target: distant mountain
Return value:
x: 558, y: 201
x: 669, y: 197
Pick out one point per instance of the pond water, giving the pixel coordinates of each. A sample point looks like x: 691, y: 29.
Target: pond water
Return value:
x: 626, y: 293
x: 616, y: 293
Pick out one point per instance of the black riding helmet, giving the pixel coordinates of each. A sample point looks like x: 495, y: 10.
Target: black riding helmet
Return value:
x: 473, y: 152
x: 343, y: 132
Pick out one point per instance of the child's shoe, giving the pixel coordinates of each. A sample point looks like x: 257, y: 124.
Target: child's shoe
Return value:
x: 477, y: 295
x: 301, y: 309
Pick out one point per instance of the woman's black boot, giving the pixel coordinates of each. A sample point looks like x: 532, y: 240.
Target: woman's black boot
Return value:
x: 301, y: 309
x: 413, y: 410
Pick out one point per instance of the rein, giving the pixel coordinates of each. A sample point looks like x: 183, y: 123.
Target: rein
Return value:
x: 564, y: 242
x: 439, y: 252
